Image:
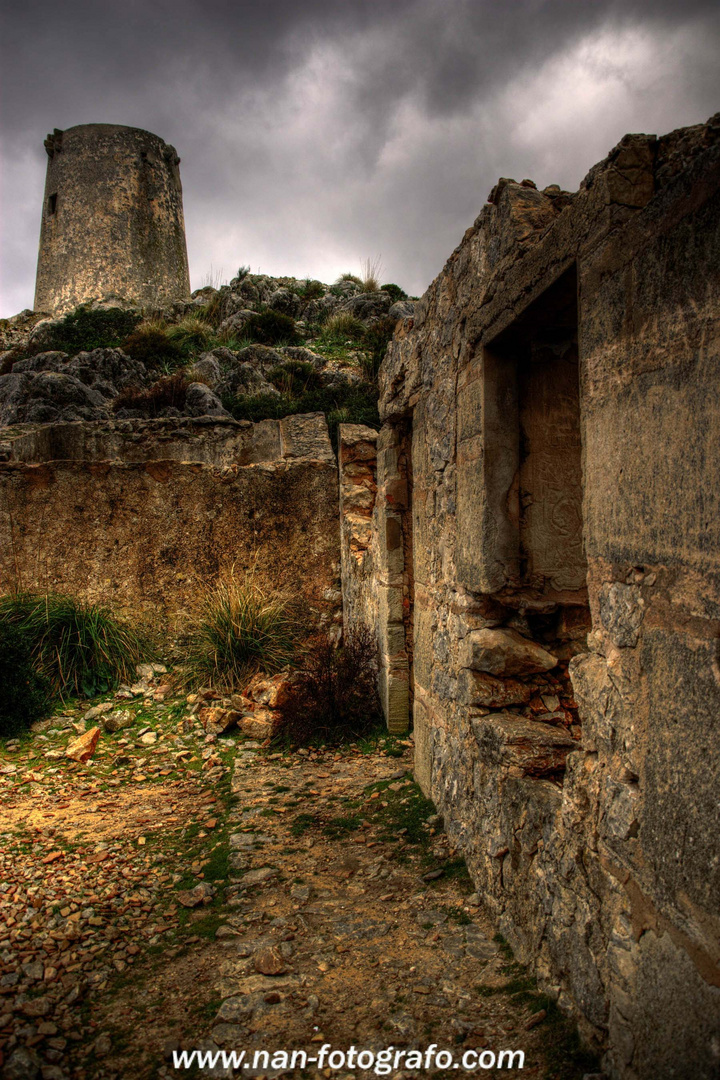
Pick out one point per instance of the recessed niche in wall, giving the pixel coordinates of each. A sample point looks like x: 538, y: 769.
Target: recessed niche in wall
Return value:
x: 532, y: 436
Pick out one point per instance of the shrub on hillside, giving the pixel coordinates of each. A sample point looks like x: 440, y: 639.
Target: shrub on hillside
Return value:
x: 377, y: 338
x: 371, y: 274
x: 396, y: 293
x: 86, y: 329
x: 335, y: 700
x: 81, y: 648
x: 25, y: 694
x: 311, y: 290
x: 294, y: 377
x: 168, y: 392
x: 271, y: 328
x: 152, y: 345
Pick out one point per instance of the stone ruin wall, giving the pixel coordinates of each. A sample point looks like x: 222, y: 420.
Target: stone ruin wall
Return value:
x: 583, y: 794
x: 143, y: 514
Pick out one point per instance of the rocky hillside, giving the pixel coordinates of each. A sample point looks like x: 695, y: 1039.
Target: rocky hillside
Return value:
x: 259, y: 347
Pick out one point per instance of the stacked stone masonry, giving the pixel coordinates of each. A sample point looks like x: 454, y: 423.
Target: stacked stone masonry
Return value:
x: 112, y: 225
x: 144, y: 514
x: 557, y: 388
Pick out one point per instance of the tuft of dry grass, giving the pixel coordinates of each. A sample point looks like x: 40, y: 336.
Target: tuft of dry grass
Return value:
x: 242, y: 628
x: 371, y: 271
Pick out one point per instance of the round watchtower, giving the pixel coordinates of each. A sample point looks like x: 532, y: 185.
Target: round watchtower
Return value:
x: 112, y: 222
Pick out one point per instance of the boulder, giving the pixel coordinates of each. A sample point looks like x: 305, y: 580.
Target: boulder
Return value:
x: 201, y: 401
x: 117, y: 721
x: 48, y: 396
x: 216, y: 721
x: 504, y: 652
x: 402, y: 309
x: 201, y: 894
x: 23, y: 1064
x: 235, y: 324
x: 368, y: 305
x: 284, y: 301
x: 207, y: 370
x: 269, y: 962
x: 45, y: 361
x: 273, y: 691
x: 244, y: 378
x: 111, y: 367
x: 83, y: 748
x: 258, y: 724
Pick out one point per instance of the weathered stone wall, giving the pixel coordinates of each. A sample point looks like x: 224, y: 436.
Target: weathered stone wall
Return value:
x: 577, y: 771
x: 112, y: 222
x: 376, y: 555
x: 357, y: 463
x: 143, y: 514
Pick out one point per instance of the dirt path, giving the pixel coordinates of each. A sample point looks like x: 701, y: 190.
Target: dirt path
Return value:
x: 329, y: 910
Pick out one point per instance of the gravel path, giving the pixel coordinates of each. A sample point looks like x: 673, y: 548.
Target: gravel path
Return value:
x: 192, y: 893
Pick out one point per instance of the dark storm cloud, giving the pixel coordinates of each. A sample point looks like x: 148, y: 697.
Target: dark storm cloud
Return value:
x: 314, y: 134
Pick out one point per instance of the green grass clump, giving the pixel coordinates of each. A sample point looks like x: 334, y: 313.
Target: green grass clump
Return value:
x: 169, y: 391
x: 25, y: 694
x: 192, y: 335
x: 303, y: 822
x: 80, y: 648
x: 86, y: 329
x: 241, y: 629
x: 341, y: 328
x: 311, y: 290
x: 339, y: 827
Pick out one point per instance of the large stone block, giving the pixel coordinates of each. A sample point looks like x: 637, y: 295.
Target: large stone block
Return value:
x: 512, y: 742
x: 479, y: 688
x: 504, y: 652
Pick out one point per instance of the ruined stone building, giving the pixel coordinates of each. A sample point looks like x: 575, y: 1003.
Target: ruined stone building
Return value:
x: 534, y: 534
x: 534, y: 531
x: 112, y: 220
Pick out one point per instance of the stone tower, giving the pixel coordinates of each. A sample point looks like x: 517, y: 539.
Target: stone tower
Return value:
x: 112, y: 221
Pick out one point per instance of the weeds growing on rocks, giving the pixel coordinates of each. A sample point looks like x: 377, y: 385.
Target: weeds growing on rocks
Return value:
x: 170, y: 391
x: 151, y: 344
x: 271, y: 328
x: 370, y: 269
x: 192, y: 335
x: 86, y: 328
x: 340, y: 328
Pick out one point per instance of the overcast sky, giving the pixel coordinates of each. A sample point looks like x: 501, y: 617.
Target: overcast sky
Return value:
x: 317, y: 133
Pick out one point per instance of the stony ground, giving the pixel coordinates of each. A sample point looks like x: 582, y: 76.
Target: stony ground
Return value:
x: 180, y: 891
